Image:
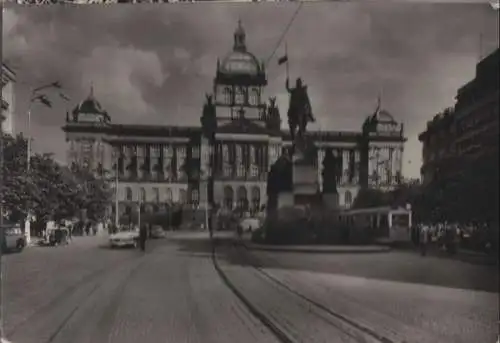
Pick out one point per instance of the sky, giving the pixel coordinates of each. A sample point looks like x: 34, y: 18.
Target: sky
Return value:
x: 153, y: 64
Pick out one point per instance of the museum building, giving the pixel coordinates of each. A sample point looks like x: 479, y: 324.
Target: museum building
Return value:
x: 154, y: 166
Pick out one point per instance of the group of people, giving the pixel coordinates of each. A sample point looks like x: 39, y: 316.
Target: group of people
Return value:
x: 450, y: 236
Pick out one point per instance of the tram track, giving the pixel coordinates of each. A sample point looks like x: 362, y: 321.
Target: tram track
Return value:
x: 336, y: 321
x: 66, y: 294
x: 108, y: 316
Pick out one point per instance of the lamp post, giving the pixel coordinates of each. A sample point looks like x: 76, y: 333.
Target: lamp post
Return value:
x: 116, y: 195
x: 209, y: 128
x: 139, y: 214
x: 2, y: 237
x: 37, y: 96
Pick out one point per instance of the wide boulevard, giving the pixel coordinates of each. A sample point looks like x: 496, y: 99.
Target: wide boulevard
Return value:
x: 88, y: 293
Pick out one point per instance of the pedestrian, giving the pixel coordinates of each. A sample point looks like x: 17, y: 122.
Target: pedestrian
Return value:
x: 424, y: 239
x: 143, y: 233
x: 70, y: 232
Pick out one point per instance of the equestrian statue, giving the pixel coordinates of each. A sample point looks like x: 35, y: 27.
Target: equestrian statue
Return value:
x: 299, y: 110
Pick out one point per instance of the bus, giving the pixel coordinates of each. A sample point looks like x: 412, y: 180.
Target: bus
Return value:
x: 386, y: 224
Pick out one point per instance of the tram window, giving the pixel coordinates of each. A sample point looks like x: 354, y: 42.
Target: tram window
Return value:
x: 383, y: 221
x: 401, y: 220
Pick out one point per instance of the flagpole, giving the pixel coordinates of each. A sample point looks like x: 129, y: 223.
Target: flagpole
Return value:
x: 116, y: 192
x: 287, y: 66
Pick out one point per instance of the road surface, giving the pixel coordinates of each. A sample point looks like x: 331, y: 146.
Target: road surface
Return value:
x: 399, y: 296
x: 84, y: 293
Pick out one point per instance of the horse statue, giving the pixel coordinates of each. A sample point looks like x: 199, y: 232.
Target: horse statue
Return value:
x: 299, y: 110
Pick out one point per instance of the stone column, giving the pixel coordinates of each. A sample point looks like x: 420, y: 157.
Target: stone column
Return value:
x: 180, y: 160
x: 392, y: 165
x: 141, y: 154
x: 167, y: 161
x: 357, y: 161
x: 154, y: 155
x: 400, y: 160
x: 345, y: 166
x: 371, y: 162
x: 238, y: 160
x: 321, y: 156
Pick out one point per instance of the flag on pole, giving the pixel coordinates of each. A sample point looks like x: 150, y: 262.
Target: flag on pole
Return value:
x: 282, y: 60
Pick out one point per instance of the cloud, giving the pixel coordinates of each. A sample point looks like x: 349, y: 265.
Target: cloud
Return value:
x: 119, y: 74
x: 153, y: 64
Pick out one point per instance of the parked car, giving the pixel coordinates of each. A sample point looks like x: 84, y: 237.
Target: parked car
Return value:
x: 157, y: 232
x: 127, y: 237
x: 250, y: 224
x: 13, y: 239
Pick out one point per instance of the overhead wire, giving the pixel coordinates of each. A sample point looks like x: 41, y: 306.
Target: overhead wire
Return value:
x: 285, y: 31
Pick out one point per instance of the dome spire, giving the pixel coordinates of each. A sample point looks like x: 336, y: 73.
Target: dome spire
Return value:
x: 91, y: 94
x: 239, y: 38
x: 379, y: 105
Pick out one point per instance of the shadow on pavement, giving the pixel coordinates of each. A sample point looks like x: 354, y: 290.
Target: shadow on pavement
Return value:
x: 202, y: 247
x: 392, y: 266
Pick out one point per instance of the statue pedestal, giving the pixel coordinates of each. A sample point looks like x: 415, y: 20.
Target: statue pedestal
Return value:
x: 285, y: 199
x: 331, y: 201
x: 304, y: 179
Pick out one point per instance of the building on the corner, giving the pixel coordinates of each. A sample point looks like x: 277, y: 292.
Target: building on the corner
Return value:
x: 438, y: 147
x: 160, y: 165
x: 8, y: 99
x: 467, y: 131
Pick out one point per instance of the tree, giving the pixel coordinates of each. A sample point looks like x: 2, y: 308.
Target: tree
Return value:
x: 48, y: 190
x: 16, y: 186
x: 92, y: 193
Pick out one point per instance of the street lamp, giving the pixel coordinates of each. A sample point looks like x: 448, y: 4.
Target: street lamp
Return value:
x: 42, y: 98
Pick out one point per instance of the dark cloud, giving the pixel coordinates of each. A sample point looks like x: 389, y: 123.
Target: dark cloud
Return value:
x: 154, y: 63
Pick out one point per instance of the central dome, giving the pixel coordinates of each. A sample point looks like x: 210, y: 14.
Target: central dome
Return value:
x: 240, y: 62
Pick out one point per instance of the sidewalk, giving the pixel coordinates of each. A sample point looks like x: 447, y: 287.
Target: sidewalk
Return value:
x: 464, y: 255
x: 315, y: 249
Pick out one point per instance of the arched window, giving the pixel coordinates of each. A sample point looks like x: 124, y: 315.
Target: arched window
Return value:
x: 169, y: 195
x: 255, y: 199
x: 254, y: 96
x: 195, y: 196
x: 242, y: 198
x: 240, y: 95
x: 156, y: 193
x: 348, y: 198
x: 128, y: 194
x: 227, y: 95
x: 228, y: 197
x: 182, y: 196
x: 143, y: 195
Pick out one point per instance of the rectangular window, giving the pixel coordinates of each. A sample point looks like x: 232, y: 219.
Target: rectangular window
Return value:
x: 254, y: 171
x: 195, y: 152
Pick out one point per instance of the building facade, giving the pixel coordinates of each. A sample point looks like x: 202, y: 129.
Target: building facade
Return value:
x: 8, y: 99
x: 159, y: 165
x: 467, y: 131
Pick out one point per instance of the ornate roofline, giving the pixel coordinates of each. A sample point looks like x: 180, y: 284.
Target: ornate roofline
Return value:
x: 166, y: 131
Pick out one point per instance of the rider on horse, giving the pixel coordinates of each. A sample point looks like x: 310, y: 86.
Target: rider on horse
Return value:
x: 299, y: 110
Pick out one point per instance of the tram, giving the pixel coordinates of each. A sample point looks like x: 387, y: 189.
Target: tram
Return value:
x: 386, y: 224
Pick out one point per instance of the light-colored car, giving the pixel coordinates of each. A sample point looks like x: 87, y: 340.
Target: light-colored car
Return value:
x: 125, y: 238
x: 157, y: 232
x: 14, y: 238
x: 250, y: 224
